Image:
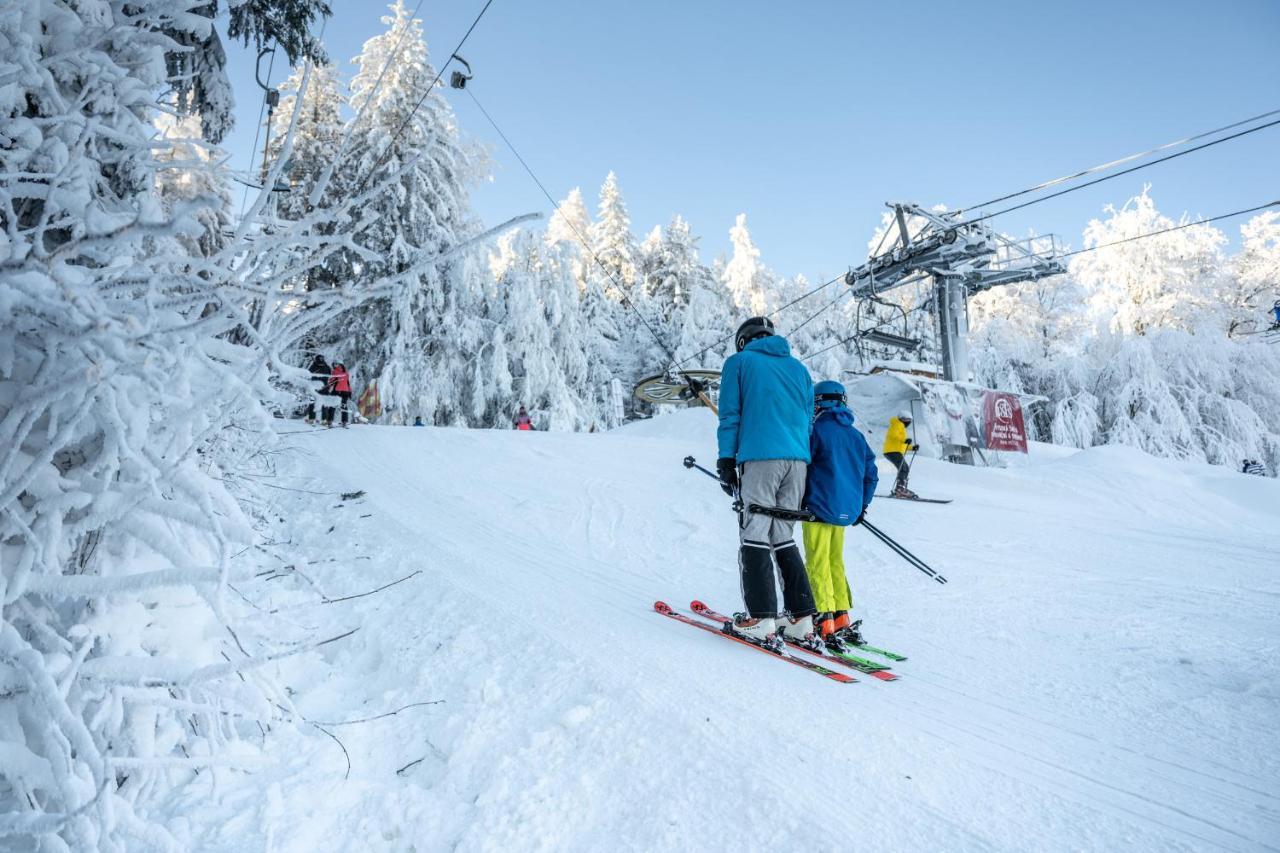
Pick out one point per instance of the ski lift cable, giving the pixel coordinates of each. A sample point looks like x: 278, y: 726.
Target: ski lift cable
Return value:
x: 1120, y: 162
x: 253, y: 152
x: 773, y: 314
x: 1121, y: 173
x: 700, y: 353
x: 426, y: 94
x: 857, y: 335
x: 1174, y: 228
x: 626, y: 300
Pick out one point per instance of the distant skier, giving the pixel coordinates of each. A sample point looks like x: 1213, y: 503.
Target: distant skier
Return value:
x: 1254, y: 467
x: 417, y: 421
x: 340, y: 387
x: 896, y: 447
x: 1275, y: 311
x: 320, y: 374
x: 841, y: 483
x: 522, y: 420
x: 766, y: 402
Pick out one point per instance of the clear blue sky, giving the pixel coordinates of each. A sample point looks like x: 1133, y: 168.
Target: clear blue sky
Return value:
x: 809, y: 116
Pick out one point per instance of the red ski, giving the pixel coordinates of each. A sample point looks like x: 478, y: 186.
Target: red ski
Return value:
x: 867, y: 667
x: 665, y: 609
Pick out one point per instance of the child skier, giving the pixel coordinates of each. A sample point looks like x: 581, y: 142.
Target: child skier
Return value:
x: 896, y: 447
x: 841, y: 482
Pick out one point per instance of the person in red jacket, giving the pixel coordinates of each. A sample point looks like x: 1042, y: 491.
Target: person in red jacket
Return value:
x: 339, y: 385
x: 522, y: 420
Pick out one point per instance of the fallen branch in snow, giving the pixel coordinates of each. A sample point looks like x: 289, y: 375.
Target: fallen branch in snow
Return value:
x: 345, y: 754
x: 379, y: 716
x: 372, y: 591
x: 411, y: 764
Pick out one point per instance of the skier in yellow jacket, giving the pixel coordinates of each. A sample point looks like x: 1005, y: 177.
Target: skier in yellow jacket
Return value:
x: 896, y: 446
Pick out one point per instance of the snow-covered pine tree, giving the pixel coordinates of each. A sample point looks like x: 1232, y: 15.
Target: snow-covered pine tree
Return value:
x: 612, y: 243
x: 748, y: 281
x: 537, y: 323
x: 417, y: 344
x: 197, y: 60
x: 569, y: 232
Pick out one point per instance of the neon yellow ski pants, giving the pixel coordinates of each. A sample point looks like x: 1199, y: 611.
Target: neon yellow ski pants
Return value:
x: 824, y: 561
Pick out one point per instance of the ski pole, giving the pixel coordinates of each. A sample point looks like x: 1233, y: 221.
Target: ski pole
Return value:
x: 902, y: 552
x: 691, y: 463
x: 907, y: 555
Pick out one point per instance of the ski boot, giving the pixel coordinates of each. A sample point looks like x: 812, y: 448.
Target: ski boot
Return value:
x: 800, y: 632
x: 904, y: 492
x: 850, y: 632
x: 762, y: 632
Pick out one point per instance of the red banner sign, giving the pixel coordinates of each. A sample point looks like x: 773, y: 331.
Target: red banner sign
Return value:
x: 1002, y: 425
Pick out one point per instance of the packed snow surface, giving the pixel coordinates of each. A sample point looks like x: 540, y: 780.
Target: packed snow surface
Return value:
x: 1101, y: 672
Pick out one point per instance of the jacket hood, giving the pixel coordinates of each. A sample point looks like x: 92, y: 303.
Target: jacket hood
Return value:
x: 842, y: 414
x: 775, y: 345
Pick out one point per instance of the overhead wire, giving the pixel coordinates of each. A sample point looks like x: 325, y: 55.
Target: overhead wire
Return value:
x: 1173, y: 228
x: 253, y: 152
x: 1104, y: 166
x: 426, y: 94
x: 622, y: 291
x: 1121, y: 173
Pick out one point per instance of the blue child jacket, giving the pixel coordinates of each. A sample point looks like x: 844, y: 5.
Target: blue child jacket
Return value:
x: 766, y: 401
x: 842, y: 472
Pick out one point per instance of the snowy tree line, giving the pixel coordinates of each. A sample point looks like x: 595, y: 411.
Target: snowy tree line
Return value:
x: 1152, y: 343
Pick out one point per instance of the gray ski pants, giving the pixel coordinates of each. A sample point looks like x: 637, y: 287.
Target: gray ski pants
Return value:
x: 767, y: 540
x: 770, y: 482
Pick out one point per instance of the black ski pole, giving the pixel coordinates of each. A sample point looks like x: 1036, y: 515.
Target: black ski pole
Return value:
x: 902, y: 552
x: 690, y: 462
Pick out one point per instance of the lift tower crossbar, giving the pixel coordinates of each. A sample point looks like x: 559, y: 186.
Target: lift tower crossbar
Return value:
x: 962, y: 258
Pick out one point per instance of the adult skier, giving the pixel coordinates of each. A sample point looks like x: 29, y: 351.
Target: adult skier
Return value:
x: 340, y: 387
x: 841, y: 483
x: 1254, y: 467
x: 522, y: 420
x: 1275, y: 310
x: 766, y: 402
x: 320, y: 374
x: 896, y: 447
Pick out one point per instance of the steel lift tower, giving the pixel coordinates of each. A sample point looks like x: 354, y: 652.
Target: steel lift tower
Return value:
x: 963, y: 258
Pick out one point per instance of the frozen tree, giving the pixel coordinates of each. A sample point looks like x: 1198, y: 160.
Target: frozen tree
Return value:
x: 1166, y: 281
x: 611, y: 241
x: 419, y: 344
x: 570, y: 223
x: 1254, y: 284
x: 133, y: 383
x: 547, y: 366
x: 749, y: 283
x: 184, y: 176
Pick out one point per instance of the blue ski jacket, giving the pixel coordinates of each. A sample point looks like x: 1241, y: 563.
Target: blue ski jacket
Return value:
x: 842, y: 473
x: 766, y: 401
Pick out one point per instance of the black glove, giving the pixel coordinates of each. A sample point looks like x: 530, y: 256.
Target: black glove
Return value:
x: 861, y: 517
x: 727, y: 468
x: 914, y: 447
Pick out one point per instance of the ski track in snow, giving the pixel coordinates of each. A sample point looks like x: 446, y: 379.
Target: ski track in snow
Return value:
x: 1099, y: 674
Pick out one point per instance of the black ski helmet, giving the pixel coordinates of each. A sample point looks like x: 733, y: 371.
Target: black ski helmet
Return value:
x: 756, y: 327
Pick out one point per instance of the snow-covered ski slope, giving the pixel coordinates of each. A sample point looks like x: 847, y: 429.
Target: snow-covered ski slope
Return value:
x: 1101, y: 672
